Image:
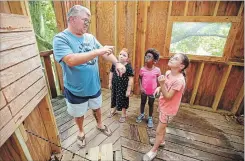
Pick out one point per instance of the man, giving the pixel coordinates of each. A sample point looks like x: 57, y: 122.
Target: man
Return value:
x: 77, y: 52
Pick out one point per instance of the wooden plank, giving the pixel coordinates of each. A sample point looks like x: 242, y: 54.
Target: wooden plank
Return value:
x: 48, y: 67
x: 12, y: 74
x: 230, y: 40
x: 238, y: 100
x: 186, y: 7
x: 106, y: 152
x: 216, y: 8
x: 17, y: 7
x: 5, y: 116
x: 143, y: 135
x: 16, y: 39
x: 59, y: 15
x: 241, y: 9
x: 17, y: 104
x: 7, y: 131
x: 135, y: 32
x: 23, y: 132
x: 13, y: 22
x: 2, y: 100
x: 4, y: 7
x: 205, y: 18
x: 48, y: 118
x: 14, y: 89
x: 60, y: 76
x: 46, y: 53
x: 22, y: 143
x: 94, y: 153
x: 118, y: 156
x: 197, y: 81
x: 25, y: 111
x: 221, y: 88
x: 67, y: 156
x: 93, y: 18
x: 11, y: 57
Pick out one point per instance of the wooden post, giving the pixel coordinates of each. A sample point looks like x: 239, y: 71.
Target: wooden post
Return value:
x: 241, y: 8
x: 216, y: 8
x: 197, y: 81
x: 144, y: 27
x: 48, y: 66
x: 168, y: 32
x: 221, y: 88
x: 238, y: 100
x: 48, y: 118
x: 93, y: 18
x: 115, y: 27
x: 186, y: 7
x: 19, y: 138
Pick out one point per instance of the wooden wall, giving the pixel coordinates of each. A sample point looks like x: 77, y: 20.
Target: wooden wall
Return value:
x: 23, y: 89
x: 214, y: 84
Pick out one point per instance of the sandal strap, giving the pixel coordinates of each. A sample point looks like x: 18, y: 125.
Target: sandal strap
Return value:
x: 81, y: 138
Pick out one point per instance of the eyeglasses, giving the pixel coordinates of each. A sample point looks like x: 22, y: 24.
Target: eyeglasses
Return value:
x: 174, y: 58
x: 85, y: 20
x: 148, y: 57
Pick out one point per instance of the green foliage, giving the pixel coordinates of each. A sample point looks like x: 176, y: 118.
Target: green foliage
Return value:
x: 44, y: 23
x: 199, y: 38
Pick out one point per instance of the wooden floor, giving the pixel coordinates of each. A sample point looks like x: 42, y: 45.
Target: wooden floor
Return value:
x: 193, y: 134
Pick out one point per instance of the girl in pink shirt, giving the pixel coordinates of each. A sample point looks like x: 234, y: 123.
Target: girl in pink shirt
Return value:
x: 172, y: 87
x: 148, y: 83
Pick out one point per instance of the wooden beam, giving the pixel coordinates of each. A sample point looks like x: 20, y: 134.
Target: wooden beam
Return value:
x: 230, y: 40
x: 144, y: 28
x: 168, y: 32
x: 17, y: 7
x: 205, y: 108
x: 205, y: 18
x: 48, y: 67
x: 221, y: 88
x: 241, y: 9
x: 135, y: 31
x: 197, y: 82
x: 216, y: 8
x: 238, y: 100
x: 115, y: 26
x: 48, y: 118
x: 23, y: 145
x: 186, y: 7
x: 46, y: 53
x: 93, y: 18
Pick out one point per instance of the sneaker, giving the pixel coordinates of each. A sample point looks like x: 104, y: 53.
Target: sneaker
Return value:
x: 152, y: 142
x: 150, y: 122
x: 140, y: 118
x: 149, y: 156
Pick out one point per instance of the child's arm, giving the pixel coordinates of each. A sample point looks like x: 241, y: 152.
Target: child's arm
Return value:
x: 129, y: 88
x: 167, y: 94
x: 110, y: 79
x: 140, y: 83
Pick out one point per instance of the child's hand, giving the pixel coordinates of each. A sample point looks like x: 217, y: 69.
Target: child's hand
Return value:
x: 161, y: 79
x: 109, y: 86
x: 128, y: 93
x: 157, y: 91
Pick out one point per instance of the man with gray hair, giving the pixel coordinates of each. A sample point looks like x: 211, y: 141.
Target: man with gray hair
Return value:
x: 77, y: 52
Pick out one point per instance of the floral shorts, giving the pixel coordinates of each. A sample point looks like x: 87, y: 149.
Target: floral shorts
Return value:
x: 164, y: 118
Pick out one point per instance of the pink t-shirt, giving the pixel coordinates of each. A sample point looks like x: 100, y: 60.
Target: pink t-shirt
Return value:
x: 149, y: 79
x: 171, y: 106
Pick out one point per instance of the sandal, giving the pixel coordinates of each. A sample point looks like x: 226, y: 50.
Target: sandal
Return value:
x: 81, y: 141
x: 122, y: 119
x: 105, y: 131
x: 112, y: 114
x: 149, y: 156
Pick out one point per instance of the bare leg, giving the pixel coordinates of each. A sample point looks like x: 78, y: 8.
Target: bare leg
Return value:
x: 97, y: 115
x: 79, y: 122
x: 160, y: 136
x: 123, y: 112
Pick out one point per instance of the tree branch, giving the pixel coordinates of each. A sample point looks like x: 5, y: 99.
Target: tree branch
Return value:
x: 43, y: 42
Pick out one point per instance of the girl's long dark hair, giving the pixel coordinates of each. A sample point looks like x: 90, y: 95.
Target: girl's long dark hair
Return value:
x: 185, y: 62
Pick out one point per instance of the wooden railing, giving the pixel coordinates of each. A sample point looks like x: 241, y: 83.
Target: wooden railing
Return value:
x: 49, y: 68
